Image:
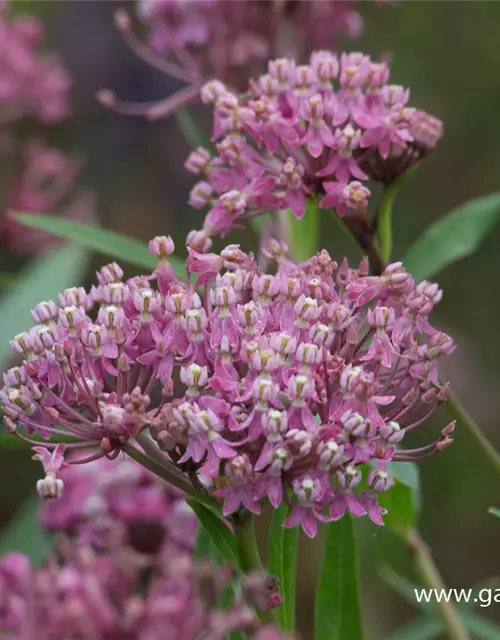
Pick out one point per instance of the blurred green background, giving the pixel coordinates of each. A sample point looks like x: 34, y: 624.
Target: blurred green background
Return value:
x: 448, y: 53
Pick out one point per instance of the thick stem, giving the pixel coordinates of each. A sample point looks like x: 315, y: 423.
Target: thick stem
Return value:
x: 384, y: 225
x: 460, y: 414
x: 384, y: 219
x: 431, y: 578
x: 246, y: 540
x: 162, y: 471
x: 244, y: 531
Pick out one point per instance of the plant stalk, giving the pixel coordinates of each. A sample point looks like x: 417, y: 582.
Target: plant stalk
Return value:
x: 384, y: 224
x: 162, y: 471
x: 431, y: 578
x: 246, y: 540
x: 244, y: 531
x: 384, y: 220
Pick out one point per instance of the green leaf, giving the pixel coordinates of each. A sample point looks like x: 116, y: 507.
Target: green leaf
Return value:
x: 283, y: 544
x: 456, y: 235
x: 303, y: 234
x: 338, y: 611
x: 481, y: 628
x: 407, y: 473
x: 24, y: 534
x: 402, y: 501
x: 425, y: 628
x: 494, y: 511
x: 401, y: 504
x: 104, y: 241
x: 42, y: 279
x: 219, y: 532
x: 202, y: 548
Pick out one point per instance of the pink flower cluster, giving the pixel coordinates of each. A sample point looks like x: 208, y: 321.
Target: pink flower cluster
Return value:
x: 108, y: 500
x: 295, y: 387
x: 200, y: 39
x: 236, y: 34
x: 138, y: 584
x: 32, y: 83
x: 322, y: 129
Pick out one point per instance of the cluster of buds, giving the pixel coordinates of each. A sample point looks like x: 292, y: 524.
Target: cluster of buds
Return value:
x: 34, y: 84
x: 297, y: 387
x: 319, y: 130
x: 120, y: 585
x: 197, y: 40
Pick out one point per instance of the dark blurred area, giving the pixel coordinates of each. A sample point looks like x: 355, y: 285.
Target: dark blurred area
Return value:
x: 448, y: 53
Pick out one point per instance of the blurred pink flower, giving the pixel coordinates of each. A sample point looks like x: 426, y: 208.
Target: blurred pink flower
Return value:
x: 46, y: 183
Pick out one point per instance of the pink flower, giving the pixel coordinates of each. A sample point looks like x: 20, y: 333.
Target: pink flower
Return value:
x: 262, y: 386
x: 322, y: 129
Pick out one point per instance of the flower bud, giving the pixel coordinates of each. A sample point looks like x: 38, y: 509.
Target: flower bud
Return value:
x: 44, y: 312
x: 329, y: 455
x: 50, y: 488
x: 110, y: 273
x: 300, y: 389
x: 195, y: 378
x: 307, y: 490
x: 349, y: 478
x: 198, y: 161
x: 379, y: 480
x: 161, y: 246
x: 201, y: 195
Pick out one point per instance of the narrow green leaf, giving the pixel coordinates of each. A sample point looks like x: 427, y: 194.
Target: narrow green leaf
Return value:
x: 338, y: 611
x: 42, y: 279
x: 494, y: 511
x: 283, y: 544
x: 304, y: 233
x: 206, y: 549
x: 219, y: 532
x: 401, y: 585
x: 456, y: 235
x: 24, y: 534
x: 104, y: 241
x: 481, y: 628
x: 425, y: 628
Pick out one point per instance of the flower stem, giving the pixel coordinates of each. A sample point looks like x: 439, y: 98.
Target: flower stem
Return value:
x: 384, y: 221
x: 244, y: 531
x: 246, y: 540
x: 431, y: 578
x: 460, y: 414
x: 361, y: 237
x: 163, y: 472
x: 384, y: 226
